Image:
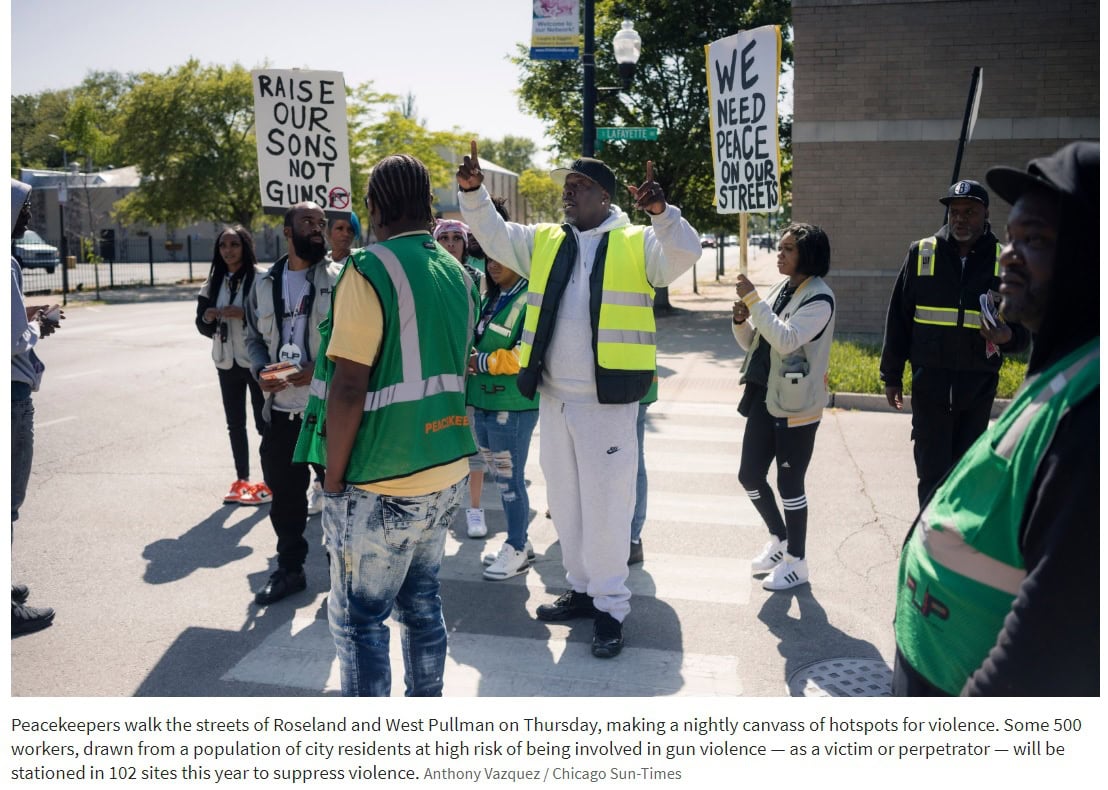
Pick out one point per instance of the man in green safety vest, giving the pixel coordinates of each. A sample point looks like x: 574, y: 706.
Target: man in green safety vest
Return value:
x: 588, y: 347
x: 387, y: 417
x: 999, y: 581
x: 934, y: 323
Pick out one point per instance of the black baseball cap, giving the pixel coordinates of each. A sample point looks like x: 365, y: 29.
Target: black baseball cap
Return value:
x: 966, y: 190
x: 1071, y: 172
x: 592, y: 169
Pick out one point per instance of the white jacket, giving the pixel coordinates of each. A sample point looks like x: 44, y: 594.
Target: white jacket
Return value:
x: 671, y: 247
x: 800, y: 348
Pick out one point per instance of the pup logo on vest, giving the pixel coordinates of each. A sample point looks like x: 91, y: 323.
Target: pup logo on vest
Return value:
x: 929, y: 605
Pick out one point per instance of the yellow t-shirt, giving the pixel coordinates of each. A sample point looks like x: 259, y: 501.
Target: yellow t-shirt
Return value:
x: 360, y: 341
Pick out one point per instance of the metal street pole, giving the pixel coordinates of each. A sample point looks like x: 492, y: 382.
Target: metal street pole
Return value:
x: 588, y: 127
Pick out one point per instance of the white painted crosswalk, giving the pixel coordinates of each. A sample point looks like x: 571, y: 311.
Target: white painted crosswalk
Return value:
x: 516, y: 655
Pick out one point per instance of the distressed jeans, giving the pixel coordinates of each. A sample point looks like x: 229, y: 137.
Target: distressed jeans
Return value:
x: 504, y: 439
x: 385, y: 553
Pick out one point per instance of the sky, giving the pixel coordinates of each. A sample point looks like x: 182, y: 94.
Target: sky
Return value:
x: 451, y: 55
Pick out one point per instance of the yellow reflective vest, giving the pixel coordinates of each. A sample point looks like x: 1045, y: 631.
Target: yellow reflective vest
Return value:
x: 622, y: 318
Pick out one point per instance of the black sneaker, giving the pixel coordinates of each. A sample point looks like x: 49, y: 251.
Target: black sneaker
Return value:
x: 20, y: 593
x: 607, y: 636
x: 282, y: 583
x: 28, y: 619
x: 635, y: 555
x: 568, y: 606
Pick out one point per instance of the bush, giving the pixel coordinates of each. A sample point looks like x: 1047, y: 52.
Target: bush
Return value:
x: 854, y: 368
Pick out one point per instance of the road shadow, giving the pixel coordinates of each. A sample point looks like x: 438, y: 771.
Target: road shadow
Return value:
x: 809, y: 637
x: 208, y: 662
x: 209, y: 544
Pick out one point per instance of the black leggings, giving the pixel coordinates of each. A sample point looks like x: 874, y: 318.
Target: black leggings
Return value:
x: 765, y: 439
x: 233, y: 386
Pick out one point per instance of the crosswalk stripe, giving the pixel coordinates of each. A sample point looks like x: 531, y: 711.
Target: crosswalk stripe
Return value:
x: 303, y: 656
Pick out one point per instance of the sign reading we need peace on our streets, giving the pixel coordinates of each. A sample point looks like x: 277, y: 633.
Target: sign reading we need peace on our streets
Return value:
x: 743, y: 71
x: 303, y: 151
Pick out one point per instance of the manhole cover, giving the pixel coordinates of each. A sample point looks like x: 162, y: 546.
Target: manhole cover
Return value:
x: 842, y: 677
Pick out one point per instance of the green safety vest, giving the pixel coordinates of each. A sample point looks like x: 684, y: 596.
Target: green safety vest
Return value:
x: 414, y: 415
x: 940, y: 315
x: 622, y: 319
x: 500, y: 393
x: 962, y: 567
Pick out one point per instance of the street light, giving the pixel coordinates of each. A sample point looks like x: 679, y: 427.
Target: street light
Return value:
x: 627, y: 45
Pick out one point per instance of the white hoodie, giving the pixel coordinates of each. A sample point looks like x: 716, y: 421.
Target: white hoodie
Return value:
x: 672, y: 246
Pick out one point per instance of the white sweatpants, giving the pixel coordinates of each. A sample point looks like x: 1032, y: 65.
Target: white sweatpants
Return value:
x: 589, y: 455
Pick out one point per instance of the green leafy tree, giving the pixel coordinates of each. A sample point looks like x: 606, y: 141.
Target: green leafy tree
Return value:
x: 190, y: 132
x: 669, y: 91
x: 543, y: 196
x: 34, y: 118
x: 396, y: 134
x: 364, y: 108
x: 514, y: 153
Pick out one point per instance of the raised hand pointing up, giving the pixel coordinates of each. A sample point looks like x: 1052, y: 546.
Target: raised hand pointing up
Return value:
x: 469, y: 173
x: 649, y: 196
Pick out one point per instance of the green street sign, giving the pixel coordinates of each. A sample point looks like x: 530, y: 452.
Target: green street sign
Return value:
x: 627, y: 133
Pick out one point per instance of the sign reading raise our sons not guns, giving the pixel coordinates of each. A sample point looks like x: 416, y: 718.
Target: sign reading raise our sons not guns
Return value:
x: 742, y: 96
x: 303, y: 152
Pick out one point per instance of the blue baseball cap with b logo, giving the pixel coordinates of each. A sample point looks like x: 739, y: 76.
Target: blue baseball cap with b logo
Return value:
x: 966, y: 190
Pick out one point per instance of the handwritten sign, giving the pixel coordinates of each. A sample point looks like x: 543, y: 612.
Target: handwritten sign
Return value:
x: 742, y: 93
x: 303, y: 151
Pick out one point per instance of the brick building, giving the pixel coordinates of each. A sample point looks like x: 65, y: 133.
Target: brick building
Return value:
x: 880, y: 92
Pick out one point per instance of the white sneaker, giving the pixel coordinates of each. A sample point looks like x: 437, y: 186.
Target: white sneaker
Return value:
x: 475, y: 522
x: 509, y: 562
x: 790, y: 573
x: 315, y: 499
x: 771, y: 556
x: 490, y: 558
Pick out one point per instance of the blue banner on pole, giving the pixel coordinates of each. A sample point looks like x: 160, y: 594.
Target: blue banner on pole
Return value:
x: 555, y: 29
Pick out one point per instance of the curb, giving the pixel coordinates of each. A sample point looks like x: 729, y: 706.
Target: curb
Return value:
x: 856, y: 401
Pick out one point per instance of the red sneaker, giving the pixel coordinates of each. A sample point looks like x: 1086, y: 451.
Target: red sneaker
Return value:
x: 260, y: 494
x: 238, y: 489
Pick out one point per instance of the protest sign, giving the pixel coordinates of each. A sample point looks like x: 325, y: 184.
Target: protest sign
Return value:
x: 743, y: 72
x: 303, y: 152
x: 555, y: 29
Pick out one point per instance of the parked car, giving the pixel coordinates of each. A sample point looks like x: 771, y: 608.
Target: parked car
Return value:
x: 33, y: 252
x: 730, y: 241
x: 707, y: 240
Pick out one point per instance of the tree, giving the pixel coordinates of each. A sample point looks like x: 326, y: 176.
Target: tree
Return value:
x: 190, y: 132
x: 543, y: 196
x: 514, y: 153
x: 669, y: 91
x: 396, y: 134
x: 34, y: 119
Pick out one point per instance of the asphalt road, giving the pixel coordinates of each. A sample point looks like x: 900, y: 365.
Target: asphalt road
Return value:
x: 124, y: 534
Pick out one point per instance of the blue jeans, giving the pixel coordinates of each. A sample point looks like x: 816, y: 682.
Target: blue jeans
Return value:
x: 385, y: 551
x: 23, y: 449
x: 640, y: 483
x: 504, y: 439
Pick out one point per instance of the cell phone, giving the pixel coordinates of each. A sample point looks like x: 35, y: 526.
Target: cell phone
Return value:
x: 53, y: 315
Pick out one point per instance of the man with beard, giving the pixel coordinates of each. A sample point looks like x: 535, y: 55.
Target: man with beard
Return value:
x: 588, y: 346
x: 934, y: 322
x: 286, y: 306
x: 999, y: 582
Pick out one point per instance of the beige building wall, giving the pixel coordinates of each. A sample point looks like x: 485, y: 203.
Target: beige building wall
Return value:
x: 880, y: 92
